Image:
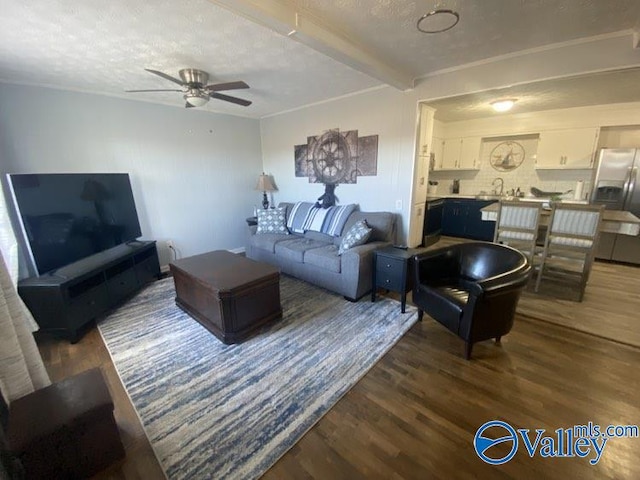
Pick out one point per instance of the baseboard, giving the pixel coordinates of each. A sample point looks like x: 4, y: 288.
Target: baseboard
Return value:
x: 237, y: 250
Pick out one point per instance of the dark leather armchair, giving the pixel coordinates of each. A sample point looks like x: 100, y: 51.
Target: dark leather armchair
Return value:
x: 471, y: 288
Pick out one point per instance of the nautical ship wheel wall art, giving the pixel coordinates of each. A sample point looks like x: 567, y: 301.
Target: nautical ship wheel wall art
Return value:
x: 337, y: 157
x: 507, y: 156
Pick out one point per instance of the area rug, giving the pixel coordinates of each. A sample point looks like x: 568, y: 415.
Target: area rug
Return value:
x: 231, y: 411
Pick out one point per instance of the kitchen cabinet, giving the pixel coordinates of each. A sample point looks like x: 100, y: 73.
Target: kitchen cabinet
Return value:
x: 460, y: 153
x: 420, y: 179
x: 425, y: 130
x: 437, y: 149
x: 417, y: 223
x: 571, y: 148
x: 462, y: 218
x: 454, y: 214
x: 470, y: 153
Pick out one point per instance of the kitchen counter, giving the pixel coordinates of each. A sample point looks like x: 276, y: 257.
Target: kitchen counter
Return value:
x: 431, y: 198
x: 613, y: 221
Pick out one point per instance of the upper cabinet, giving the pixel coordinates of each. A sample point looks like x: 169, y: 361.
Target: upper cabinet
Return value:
x: 567, y: 149
x: 437, y: 149
x: 461, y: 153
x: 470, y: 153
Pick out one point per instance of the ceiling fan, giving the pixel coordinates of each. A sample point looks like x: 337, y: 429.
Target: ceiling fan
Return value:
x: 196, y: 91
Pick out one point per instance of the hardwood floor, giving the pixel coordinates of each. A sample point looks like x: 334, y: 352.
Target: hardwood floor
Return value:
x: 415, y: 413
x: 63, y: 359
x: 607, y: 309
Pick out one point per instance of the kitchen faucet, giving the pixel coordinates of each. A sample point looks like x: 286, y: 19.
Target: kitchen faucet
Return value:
x: 495, y: 190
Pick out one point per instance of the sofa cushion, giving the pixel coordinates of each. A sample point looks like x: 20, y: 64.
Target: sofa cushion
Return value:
x: 294, y: 249
x: 358, y: 234
x: 318, y: 237
x: 330, y: 220
x: 268, y: 241
x: 272, y: 221
x: 297, y: 216
x: 305, y: 216
x: 382, y: 223
x: 325, y: 257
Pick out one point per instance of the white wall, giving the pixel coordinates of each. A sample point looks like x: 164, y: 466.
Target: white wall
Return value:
x: 192, y: 172
x: 386, y: 112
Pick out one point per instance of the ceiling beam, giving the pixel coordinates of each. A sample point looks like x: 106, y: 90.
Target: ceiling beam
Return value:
x: 283, y: 17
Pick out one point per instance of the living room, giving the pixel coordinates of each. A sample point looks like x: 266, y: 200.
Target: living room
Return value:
x: 193, y: 174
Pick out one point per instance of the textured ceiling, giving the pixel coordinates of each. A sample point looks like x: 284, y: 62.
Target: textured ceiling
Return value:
x: 596, y: 89
x: 487, y: 28
x: 103, y: 47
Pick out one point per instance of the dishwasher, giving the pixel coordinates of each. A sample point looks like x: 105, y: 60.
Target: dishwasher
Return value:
x: 432, y: 221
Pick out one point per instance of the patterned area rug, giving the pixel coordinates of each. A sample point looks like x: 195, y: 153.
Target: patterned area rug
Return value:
x: 231, y: 411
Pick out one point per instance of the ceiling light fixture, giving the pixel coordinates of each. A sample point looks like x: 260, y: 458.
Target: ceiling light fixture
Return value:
x: 196, y: 98
x: 438, y: 21
x: 503, y: 105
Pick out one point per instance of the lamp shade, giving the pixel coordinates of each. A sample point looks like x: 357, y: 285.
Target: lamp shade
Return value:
x: 265, y: 184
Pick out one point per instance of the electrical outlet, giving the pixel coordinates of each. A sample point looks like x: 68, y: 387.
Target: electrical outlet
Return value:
x: 398, y: 204
x: 170, y: 243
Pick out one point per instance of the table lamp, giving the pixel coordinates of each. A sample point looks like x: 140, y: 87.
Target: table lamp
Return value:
x: 265, y: 185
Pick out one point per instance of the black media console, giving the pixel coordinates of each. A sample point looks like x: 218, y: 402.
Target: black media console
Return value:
x: 67, y: 300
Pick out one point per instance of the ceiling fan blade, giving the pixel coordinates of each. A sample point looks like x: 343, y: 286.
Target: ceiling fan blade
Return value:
x: 165, y: 76
x: 188, y: 105
x: 217, y: 87
x: 227, y: 98
x: 133, y: 91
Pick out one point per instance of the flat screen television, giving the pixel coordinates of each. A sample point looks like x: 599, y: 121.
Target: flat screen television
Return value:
x: 66, y: 217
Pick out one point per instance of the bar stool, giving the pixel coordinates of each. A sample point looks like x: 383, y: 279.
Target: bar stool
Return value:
x: 517, y: 226
x: 569, y: 248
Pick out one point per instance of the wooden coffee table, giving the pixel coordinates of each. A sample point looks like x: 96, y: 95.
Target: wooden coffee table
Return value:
x: 228, y: 294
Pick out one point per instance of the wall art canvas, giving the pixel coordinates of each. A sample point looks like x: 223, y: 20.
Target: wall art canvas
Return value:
x: 302, y: 169
x: 368, y: 158
x: 336, y: 157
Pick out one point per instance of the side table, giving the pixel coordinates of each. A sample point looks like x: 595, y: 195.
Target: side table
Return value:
x: 392, y: 271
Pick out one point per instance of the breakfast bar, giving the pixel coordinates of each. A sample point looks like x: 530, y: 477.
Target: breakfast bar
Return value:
x: 613, y: 221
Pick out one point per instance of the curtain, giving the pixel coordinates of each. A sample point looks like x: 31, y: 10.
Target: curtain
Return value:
x: 21, y: 367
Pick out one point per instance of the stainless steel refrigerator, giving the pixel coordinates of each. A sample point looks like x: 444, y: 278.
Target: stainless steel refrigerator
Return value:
x: 616, y: 185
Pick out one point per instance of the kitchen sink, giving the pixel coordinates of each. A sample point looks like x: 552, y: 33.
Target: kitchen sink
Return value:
x: 494, y: 197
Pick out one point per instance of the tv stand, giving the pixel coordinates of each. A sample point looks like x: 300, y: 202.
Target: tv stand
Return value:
x: 65, y: 302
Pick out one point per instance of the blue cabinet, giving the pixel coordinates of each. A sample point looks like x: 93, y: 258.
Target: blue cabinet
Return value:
x: 454, y: 214
x: 462, y: 218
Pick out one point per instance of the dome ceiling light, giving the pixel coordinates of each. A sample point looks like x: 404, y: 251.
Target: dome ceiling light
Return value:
x: 503, y: 105
x: 438, y: 21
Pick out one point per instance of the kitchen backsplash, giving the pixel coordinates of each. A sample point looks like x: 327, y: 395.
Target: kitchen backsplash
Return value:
x: 524, y: 177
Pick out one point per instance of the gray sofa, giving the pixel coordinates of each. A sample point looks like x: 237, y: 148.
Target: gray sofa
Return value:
x: 313, y: 256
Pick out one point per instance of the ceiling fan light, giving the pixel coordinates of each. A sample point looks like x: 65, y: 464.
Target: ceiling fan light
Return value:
x: 197, y: 100
x: 503, y: 105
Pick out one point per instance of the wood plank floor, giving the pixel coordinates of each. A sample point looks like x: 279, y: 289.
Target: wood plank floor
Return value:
x: 611, y: 295
x: 415, y: 413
